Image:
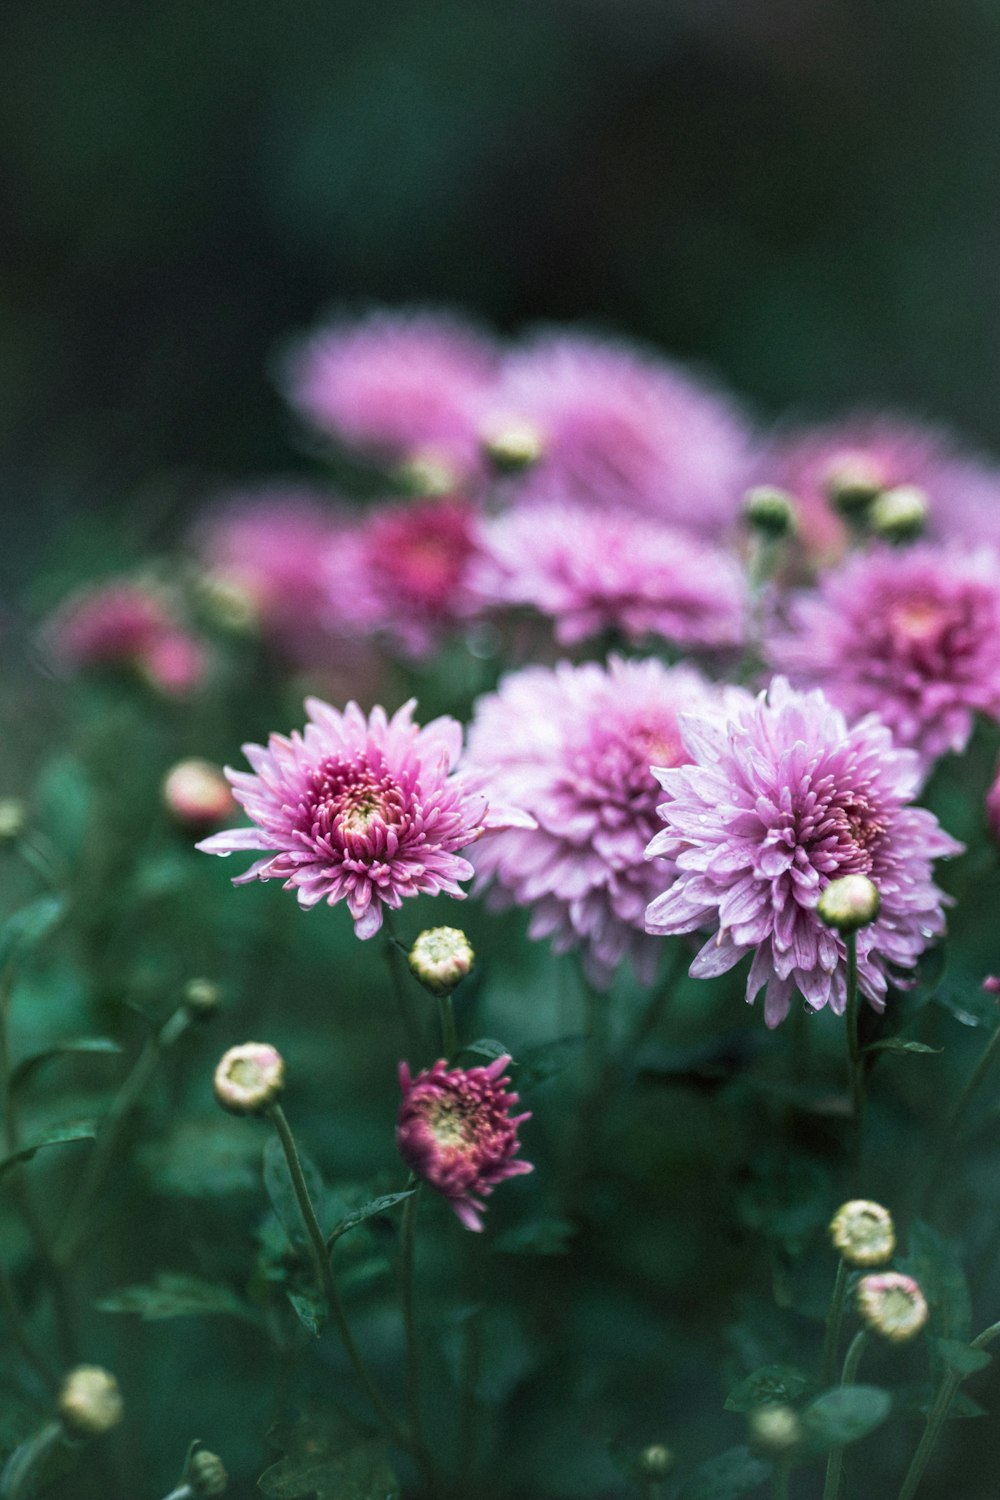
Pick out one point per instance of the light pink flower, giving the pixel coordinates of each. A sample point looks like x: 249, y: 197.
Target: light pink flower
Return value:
x: 593, y: 571
x: 455, y: 1132
x: 395, y: 386
x: 366, y: 811
x: 780, y: 799
x: 911, y: 634
x: 573, y: 746
x: 127, y: 623
x: 623, y: 430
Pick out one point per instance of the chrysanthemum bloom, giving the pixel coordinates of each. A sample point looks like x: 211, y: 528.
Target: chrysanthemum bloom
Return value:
x: 127, y: 623
x: 875, y: 453
x: 366, y: 811
x: 892, y: 1304
x: 592, y: 571
x: 396, y: 386
x: 913, y: 636
x: 406, y: 575
x: 456, y: 1132
x: 621, y: 429
x: 573, y: 746
x: 863, y: 1232
x: 782, y: 797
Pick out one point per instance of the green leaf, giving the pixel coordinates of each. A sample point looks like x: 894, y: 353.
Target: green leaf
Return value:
x: 25, y: 1069
x: 311, y: 1310
x: 936, y: 1264
x: 59, y: 1135
x: 173, y: 1295
x: 368, y: 1211
x: 962, y: 1358
x: 488, y: 1047
x: 328, y: 1458
x: 901, y: 1044
x: 726, y: 1476
x: 844, y: 1415
x: 204, y: 1158
x: 541, y: 1063
x: 769, y: 1383
x: 29, y: 926
x: 278, y: 1182
x: 964, y: 1406
x: 64, y: 797
x: 969, y: 1005
x: 542, y: 1237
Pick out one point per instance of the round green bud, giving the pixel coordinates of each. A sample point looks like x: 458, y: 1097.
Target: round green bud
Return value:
x: 848, y: 903
x: 892, y: 1305
x: 852, y: 482
x: 440, y: 958
x: 90, y: 1402
x: 769, y: 511
x: 863, y: 1232
x: 202, y: 998
x: 206, y: 1474
x: 655, y: 1461
x: 899, y: 515
x: 249, y: 1078
x: 13, y: 818
x: 774, y: 1429
x: 514, y: 445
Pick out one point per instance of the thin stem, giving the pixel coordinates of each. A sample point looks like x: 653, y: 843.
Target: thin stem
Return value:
x: 854, y: 1044
x: 325, y: 1277
x: 20, y: 1333
x: 17, y: 1478
x: 407, y: 1265
x: 937, y: 1416
x: 834, y: 1323
x: 947, y: 1134
x: 781, y: 1475
x: 449, y: 1035
x: 835, y: 1462
x: 404, y: 1004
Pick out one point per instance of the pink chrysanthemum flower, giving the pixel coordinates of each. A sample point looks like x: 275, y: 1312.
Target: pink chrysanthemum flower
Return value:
x: 396, y: 386
x: 592, y: 571
x: 913, y: 635
x: 963, y: 495
x: 366, y: 811
x: 406, y: 574
x: 621, y: 429
x: 782, y: 797
x: 127, y: 623
x: 573, y: 746
x: 455, y: 1131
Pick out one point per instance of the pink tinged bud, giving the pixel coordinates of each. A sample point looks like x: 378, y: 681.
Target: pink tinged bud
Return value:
x: 848, y: 903
x: 863, y: 1232
x: 173, y: 664
x: 991, y: 985
x: 455, y: 1132
x: 197, y: 794
x: 440, y: 958
x: 892, y: 1305
x: 249, y: 1078
x: 852, y: 482
x: 89, y: 1401
x: 899, y: 514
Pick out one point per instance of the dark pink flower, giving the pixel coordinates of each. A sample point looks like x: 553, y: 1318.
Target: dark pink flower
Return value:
x: 911, y: 634
x: 455, y: 1132
x: 593, y: 571
x: 622, y: 429
x: 780, y: 798
x: 366, y: 811
x: 127, y: 623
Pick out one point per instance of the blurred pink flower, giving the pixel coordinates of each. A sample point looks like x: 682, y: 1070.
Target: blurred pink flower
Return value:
x: 593, y: 571
x: 780, y: 799
x: 366, y: 811
x: 127, y: 623
x: 912, y: 634
x: 573, y: 746
x: 622, y: 429
x: 455, y: 1132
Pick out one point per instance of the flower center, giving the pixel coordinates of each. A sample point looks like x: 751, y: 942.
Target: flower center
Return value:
x: 916, y: 619
x: 350, y: 803
x: 450, y: 1124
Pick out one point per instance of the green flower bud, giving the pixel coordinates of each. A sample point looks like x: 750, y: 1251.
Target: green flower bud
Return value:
x: 848, y: 903
x: 899, y: 515
x: 769, y: 511
x: 774, y: 1429
x: 249, y: 1078
x: 512, y: 445
x: 440, y: 958
x: 89, y: 1401
x: 892, y: 1305
x: 852, y: 483
x: 863, y: 1232
x: 206, y: 1474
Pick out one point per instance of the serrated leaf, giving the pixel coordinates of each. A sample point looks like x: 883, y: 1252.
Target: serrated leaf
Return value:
x: 59, y: 1135
x: 541, y: 1063
x: 328, y: 1458
x: 368, y: 1211
x: 311, y: 1309
x: 28, y: 926
x: 174, y: 1295
x: 769, y: 1383
x: 845, y: 1415
x: 488, y: 1047
x: 543, y: 1237
x: 962, y: 1358
x: 901, y: 1044
x: 935, y: 1263
x: 727, y: 1476
x: 29, y: 1065
x: 278, y: 1182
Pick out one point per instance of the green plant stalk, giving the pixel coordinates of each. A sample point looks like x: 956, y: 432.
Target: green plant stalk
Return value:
x: 20, y: 1334
x: 857, y: 1065
x: 449, y: 1034
x: 937, y: 1416
x: 407, y: 1269
x: 781, y: 1475
x: 834, y: 1323
x: 955, y: 1117
x: 835, y: 1461
x: 17, y: 1478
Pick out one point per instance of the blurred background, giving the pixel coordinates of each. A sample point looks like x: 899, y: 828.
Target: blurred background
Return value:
x: 800, y: 195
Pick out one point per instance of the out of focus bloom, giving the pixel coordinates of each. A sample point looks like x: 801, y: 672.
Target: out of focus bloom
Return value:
x: 863, y: 1232
x: 441, y: 958
x: 782, y: 797
x: 573, y: 746
x: 206, y: 1474
x: 892, y: 1305
x: 363, y: 810
x: 196, y: 794
x: 455, y: 1131
x: 593, y: 571
x: 849, y: 902
x: 623, y: 430
x: 769, y: 511
x: 655, y: 1461
x: 90, y: 1402
x: 774, y: 1429
x: 912, y: 636
x: 249, y: 1078
x: 127, y: 623
x: 993, y: 805
x: 396, y: 387
x: 899, y: 515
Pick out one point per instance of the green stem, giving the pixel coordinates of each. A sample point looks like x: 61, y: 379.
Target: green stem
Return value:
x: 947, y: 1133
x: 449, y: 1035
x: 834, y: 1323
x: 835, y: 1462
x: 857, y: 1065
x: 20, y: 1333
x: 781, y: 1475
x: 937, y: 1416
x: 326, y: 1280
x: 407, y: 1267
x: 18, y: 1475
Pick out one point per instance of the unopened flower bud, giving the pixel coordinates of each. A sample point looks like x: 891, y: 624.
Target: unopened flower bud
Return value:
x: 174, y: 664
x: 206, y: 1474
x: 774, y: 1429
x: 512, y: 445
x: 769, y: 511
x: 13, y: 817
x: 991, y: 985
x: 899, y: 515
x: 230, y: 600
x: 440, y: 958
x: 197, y: 794
x: 202, y: 997
x: 892, y: 1305
x: 90, y: 1402
x: 249, y: 1078
x: 429, y: 473
x: 655, y: 1461
x: 863, y: 1232
x: 852, y: 483
x: 848, y: 903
